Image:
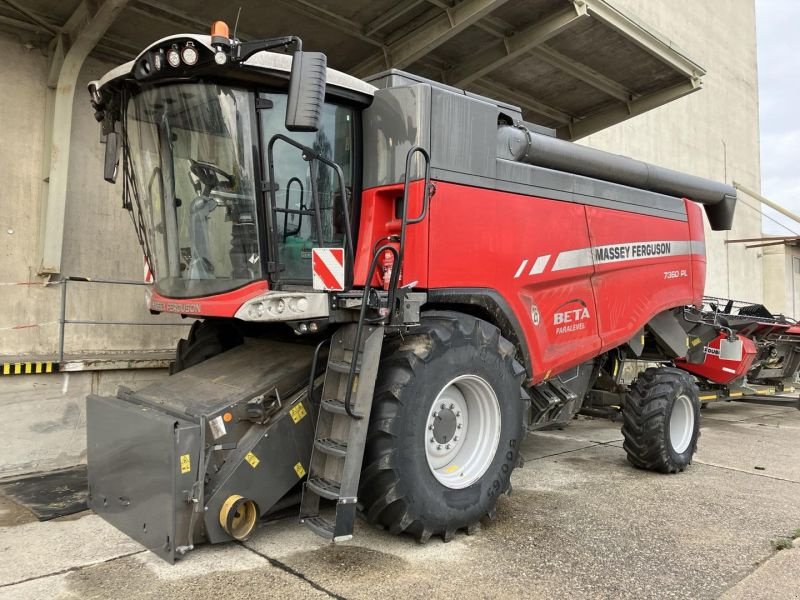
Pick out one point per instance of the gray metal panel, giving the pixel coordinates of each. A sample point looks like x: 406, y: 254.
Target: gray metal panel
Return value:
x: 398, y: 119
x: 136, y: 482
x: 460, y: 129
x: 398, y: 78
x: 530, y: 180
x: 257, y: 366
x: 279, y: 446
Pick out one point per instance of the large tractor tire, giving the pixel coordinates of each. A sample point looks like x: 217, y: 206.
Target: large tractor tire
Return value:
x: 661, y: 420
x: 445, y: 428
x: 206, y: 339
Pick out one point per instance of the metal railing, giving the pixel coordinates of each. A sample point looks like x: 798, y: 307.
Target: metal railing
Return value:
x: 63, y: 321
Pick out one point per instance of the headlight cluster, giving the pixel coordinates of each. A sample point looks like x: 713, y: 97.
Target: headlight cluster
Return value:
x: 276, y: 306
x: 187, y: 55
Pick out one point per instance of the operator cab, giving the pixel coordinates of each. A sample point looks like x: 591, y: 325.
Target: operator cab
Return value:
x: 236, y: 161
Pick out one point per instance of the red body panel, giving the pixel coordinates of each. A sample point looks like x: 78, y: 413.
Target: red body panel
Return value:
x: 631, y: 292
x: 714, y: 369
x: 378, y: 220
x: 579, y: 279
x: 221, y: 305
x: 697, y: 235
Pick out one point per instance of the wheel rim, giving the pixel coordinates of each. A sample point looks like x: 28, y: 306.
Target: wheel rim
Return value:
x: 462, y: 431
x: 681, y: 424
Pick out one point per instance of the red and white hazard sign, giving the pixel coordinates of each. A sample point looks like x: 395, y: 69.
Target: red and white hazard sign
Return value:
x: 327, y: 266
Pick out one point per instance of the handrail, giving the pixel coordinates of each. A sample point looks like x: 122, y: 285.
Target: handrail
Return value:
x: 359, y: 327
x: 287, y: 210
x: 310, y: 155
x: 63, y: 321
x: 396, y: 268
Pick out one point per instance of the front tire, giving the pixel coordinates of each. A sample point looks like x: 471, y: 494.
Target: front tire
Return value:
x: 445, y: 428
x: 205, y: 340
x: 661, y: 420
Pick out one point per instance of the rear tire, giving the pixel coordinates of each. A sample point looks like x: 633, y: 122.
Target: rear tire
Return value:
x: 415, y: 485
x: 661, y: 420
x: 205, y: 340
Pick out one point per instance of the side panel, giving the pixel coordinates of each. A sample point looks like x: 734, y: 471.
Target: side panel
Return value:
x: 511, y: 243
x: 142, y: 464
x: 643, y: 265
x: 219, y: 305
x: 698, y: 237
x: 380, y: 208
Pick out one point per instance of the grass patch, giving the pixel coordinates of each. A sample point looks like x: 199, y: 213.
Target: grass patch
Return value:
x: 783, y: 543
x: 796, y: 534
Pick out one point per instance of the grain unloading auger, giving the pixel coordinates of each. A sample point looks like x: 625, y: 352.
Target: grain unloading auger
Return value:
x: 394, y: 280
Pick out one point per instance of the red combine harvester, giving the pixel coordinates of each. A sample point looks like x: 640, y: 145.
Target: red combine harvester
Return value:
x: 394, y: 280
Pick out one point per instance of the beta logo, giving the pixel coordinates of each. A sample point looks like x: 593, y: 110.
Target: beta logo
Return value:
x: 571, y: 316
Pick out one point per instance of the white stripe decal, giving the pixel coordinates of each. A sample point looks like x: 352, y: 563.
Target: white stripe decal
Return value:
x: 521, y: 268
x: 639, y: 251
x: 573, y: 259
x: 698, y: 247
x: 611, y: 253
x: 539, y: 265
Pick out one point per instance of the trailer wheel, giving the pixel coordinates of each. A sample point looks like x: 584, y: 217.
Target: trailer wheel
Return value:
x: 661, y: 420
x: 206, y: 339
x: 445, y: 428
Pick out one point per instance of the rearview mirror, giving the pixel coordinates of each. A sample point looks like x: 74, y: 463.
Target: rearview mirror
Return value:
x: 306, y: 91
x: 111, y: 161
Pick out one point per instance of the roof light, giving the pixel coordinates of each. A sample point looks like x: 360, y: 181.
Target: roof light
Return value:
x: 173, y: 58
x: 220, y: 57
x: 189, y: 55
x: 220, y: 29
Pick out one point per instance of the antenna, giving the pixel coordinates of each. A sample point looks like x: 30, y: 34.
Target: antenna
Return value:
x: 236, y: 24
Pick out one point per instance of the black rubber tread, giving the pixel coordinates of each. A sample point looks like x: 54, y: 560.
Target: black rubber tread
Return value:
x: 397, y: 490
x: 646, y: 413
x: 205, y: 340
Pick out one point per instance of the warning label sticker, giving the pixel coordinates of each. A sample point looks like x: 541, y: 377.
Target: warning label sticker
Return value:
x: 217, y: 426
x: 297, y: 412
x: 186, y: 464
x: 252, y: 459
x: 298, y: 468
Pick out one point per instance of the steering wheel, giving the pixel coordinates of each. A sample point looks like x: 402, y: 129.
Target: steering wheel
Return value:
x: 208, y: 174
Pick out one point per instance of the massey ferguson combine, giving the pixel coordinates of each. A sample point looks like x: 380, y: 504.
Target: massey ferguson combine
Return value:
x: 394, y: 280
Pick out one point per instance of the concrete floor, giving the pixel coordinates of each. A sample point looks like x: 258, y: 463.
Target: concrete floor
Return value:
x: 580, y: 523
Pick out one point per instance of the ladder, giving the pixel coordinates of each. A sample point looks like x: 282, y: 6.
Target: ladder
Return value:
x: 353, y: 362
x: 341, y: 431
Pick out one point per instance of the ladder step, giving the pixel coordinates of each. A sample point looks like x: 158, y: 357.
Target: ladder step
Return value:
x: 322, y: 527
x: 331, y: 447
x: 334, y: 406
x: 326, y: 488
x: 341, y: 367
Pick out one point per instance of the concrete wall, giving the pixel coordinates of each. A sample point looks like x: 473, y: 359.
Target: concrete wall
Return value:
x: 99, y: 240
x: 714, y: 132
x: 782, y: 280
x: 45, y: 416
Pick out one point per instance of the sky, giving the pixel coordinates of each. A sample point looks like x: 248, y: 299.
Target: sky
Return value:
x: 778, y: 38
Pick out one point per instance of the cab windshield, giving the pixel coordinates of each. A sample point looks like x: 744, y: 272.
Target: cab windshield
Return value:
x: 191, y: 150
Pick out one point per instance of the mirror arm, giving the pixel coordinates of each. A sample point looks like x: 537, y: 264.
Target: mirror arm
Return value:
x: 241, y: 51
